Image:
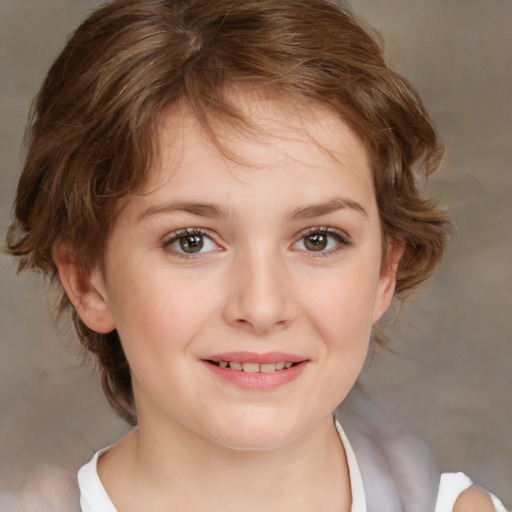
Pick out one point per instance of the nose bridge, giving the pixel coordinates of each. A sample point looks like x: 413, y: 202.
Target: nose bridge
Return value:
x: 260, y: 298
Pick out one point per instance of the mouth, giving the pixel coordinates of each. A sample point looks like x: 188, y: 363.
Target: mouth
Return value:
x: 249, y: 370
x: 253, y: 367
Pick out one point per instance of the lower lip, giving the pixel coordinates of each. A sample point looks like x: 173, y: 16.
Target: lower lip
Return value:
x: 257, y: 381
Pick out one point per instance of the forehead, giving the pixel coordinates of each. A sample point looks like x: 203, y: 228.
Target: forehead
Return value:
x: 283, y: 156
x: 270, y: 132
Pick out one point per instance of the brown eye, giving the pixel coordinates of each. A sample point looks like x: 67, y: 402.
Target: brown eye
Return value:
x: 325, y: 241
x: 316, y: 242
x: 191, y: 243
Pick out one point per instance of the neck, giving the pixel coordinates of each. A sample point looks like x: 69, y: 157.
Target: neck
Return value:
x: 171, y: 471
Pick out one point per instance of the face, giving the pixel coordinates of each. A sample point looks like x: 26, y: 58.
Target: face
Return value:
x: 244, y: 290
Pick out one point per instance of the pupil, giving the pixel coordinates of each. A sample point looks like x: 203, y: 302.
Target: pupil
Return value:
x: 316, y: 242
x: 191, y: 243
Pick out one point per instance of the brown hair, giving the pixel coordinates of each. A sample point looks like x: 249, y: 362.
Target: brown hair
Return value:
x: 93, y: 132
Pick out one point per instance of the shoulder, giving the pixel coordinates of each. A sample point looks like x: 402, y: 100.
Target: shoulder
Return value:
x: 473, y: 500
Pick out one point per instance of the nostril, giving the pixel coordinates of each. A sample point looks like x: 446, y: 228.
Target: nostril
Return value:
x: 249, y: 308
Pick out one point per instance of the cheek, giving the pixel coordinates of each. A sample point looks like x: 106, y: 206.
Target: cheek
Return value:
x: 157, y: 324
x: 156, y: 311
x: 340, y: 313
x: 341, y: 304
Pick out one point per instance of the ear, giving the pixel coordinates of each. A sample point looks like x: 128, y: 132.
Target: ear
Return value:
x: 85, y: 289
x: 387, y: 278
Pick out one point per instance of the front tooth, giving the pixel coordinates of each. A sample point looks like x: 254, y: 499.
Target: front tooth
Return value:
x: 235, y: 365
x: 280, y: 365
x: 268, y: 367
x: 223, y: 364
x: 288, y: 364
x: 251, y: 367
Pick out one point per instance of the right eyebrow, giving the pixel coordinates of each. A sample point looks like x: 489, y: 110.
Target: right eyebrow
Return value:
x: 335, y: 204
x: 195, y: 208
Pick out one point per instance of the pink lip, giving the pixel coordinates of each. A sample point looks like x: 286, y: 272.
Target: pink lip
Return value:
x: 257, y: 381
x: 252, y: 357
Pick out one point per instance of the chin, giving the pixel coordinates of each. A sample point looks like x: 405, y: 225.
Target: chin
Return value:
x: 255, y: 443
x: 256, y: 434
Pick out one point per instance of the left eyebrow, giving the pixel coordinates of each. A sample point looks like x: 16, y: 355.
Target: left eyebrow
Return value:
x: 317, y: 210
x: 199, y: 209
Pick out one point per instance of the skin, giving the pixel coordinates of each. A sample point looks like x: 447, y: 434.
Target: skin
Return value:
x: 473, y: 500
x: 255, y: 286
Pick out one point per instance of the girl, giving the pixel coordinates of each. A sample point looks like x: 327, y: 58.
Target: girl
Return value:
x: 227, y: 193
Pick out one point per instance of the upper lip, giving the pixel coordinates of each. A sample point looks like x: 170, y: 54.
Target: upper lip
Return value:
x: 253, y: 357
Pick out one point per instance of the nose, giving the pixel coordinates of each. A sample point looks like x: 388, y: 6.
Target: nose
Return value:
x: 261, y: 298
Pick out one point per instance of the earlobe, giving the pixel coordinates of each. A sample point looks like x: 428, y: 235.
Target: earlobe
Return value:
x: 387, y: 278
x: 85, y: 289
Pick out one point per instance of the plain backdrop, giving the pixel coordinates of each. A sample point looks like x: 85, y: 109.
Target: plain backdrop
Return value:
x: 449, y: 374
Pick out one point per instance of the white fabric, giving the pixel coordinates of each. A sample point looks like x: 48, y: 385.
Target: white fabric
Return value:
x: 94, y: 498
x: 498, y: 505
x: 452, y: 484
x: 356, y: 481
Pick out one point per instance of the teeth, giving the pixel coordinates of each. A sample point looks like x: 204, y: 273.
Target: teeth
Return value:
x: 268, y: 367
x: 255, y: 367
x: 251, y: 367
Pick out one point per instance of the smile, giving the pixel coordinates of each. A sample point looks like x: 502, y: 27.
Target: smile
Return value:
x: 251, y: 367
x: 257, y: 372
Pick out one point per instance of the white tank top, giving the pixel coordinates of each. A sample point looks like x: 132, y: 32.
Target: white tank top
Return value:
x: 94, y: 498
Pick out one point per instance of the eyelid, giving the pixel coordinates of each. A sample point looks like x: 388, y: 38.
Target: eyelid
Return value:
x: 174, y: 236
x: 342, y: 237
x: 171, y: 237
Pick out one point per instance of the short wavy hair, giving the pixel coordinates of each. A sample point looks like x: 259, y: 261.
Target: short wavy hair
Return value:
x: 93, y: 132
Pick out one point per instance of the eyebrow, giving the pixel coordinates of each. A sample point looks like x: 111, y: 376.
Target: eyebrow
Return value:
x: 199, y: 209
x: 213, y: 210
x: 317, y: 210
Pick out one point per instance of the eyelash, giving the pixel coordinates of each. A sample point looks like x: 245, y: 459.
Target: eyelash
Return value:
x: 183, y: 233
x: 341, y: 239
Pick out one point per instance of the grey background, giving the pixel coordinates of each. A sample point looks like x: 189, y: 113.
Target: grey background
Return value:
x: 449, y: 372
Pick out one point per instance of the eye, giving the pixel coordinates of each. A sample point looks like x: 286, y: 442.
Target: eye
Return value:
x: 190, y: 241
x: 324, y: 240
